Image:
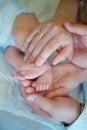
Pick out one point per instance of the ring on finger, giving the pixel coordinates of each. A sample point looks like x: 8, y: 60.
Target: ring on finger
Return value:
x: 40, y: 34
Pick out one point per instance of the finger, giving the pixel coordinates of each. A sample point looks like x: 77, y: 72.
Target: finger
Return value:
x: 61, y: 91
x: 24, y: 95
x: 36, y: 39
x: 39, y: 111
x: 35, y: 108
x: 76, y: 28
x: 61, y: 40
x: 42, y: 102
x: 41, y: 44
x: 63, y: 54
x: 33, y: 44
x: 47, y: 51
x: 29, y: 39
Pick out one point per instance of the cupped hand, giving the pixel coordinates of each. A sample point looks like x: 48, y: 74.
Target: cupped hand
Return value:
x: 25, y: 94
x: 79, y: 33
x: 63, y: 109
x: 66, y: 78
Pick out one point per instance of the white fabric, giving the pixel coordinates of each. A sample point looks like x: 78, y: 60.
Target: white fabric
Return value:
x: 9, y: 10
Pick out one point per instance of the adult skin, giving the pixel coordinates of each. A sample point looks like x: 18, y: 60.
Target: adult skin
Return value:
x: 79, y: 33
x: 64, y: 109
x: 57, y: 108
x: 55, y: 37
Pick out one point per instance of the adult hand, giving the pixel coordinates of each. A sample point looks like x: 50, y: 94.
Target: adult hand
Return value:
x: 66, y: 77
x: 24, y: 94
x: 46, y: 39
x: 79, y: 33
x: 64, y: 109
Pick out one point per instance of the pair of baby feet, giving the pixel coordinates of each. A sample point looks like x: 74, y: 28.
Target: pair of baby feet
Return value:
x: 35, y: 78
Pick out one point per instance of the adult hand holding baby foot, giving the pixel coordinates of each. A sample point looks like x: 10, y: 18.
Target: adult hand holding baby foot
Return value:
x: 41, y: 77
x: 66, y: 78
x: 52, y: 108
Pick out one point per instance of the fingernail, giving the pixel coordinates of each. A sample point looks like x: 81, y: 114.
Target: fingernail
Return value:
x: 54, y: 63
x: 31, y: 98
x: 38, y: 63
x: 25, y: 84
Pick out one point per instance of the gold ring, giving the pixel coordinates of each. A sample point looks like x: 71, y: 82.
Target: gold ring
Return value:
x: 40, y: 34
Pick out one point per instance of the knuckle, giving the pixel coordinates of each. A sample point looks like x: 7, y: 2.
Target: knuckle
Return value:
x: 63, y: 36
x: 49, y: 47
x: 50, y: 24
x: 32, y: 58
x: 55, y: 28
x: 40, y: 45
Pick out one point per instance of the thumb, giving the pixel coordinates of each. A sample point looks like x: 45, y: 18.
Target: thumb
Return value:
x: 41, y: 102
x: 79, y: 29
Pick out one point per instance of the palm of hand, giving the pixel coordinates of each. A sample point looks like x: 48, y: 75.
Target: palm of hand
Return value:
x: 80, y: 50
x: 66, y: 78
x: 80, y: 41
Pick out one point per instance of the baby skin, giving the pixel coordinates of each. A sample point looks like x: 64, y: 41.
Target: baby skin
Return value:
x: 33, y: 77
x: 39, y: 78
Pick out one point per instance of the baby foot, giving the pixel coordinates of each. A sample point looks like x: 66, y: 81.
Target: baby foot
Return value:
x: 30, y: 71
x: 25, y: 90
x: 26, y: 82
x: 30, y: 90
x: 18, y: 75
x: 44, y: 82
